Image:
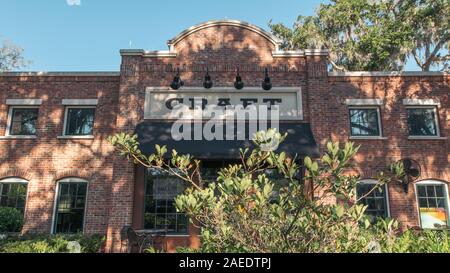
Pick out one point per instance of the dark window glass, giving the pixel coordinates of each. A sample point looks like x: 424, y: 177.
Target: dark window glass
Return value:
x: 23, y: 122
x: 376, y: 200
x: 70, y: 207
x: 433, y: 206
x: 422, y: 122
x: 160, y: 211
x: 80, y: 121
x: 364, y: 122
x: 13, y: 195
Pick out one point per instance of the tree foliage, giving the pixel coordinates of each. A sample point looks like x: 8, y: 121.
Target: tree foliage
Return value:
x: 374, y: 35
x: 11, y: 57
x: 246, y: 210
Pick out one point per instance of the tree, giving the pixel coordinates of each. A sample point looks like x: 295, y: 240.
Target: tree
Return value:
x: 245, y: 210
x: 11, y: 57
x: 431, y: 35
x: 374, y: 35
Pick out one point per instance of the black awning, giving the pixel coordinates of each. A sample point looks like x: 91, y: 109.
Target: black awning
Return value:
x: 300, y: 141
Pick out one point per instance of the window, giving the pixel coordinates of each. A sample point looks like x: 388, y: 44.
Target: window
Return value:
x: 70, y: 206
x: 23, y: 121
x: 79, y: 121
x: 376, y: 201
x: 422, y: 121
x: 365, y: 122
x: 160, y: 212
x: 432, y: 198
x: 13, y: 193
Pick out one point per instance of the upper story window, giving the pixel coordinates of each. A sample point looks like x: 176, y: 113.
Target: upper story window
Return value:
x: 432, y: 198
x: 13, y: 193
x: 79, y: 121
x: 365, y: 122
x: 22, y: 121
x: 70, y: 205
x: 422, y: 121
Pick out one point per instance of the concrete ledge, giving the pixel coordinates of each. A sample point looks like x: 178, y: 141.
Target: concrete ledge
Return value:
x: 426, y: 138
x: 385, y: 74
x: 59, y: 74
x: 18, y: 137
x: 26, y: 102
x: 75, y: 137
x: 424, y: 102
x: 368, y: 138
x: 362, y: 102
x: 149, y: 54
x: 80, y: 102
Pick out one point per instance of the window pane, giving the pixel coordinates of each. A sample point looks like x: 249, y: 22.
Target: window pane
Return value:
x: 364, y: 122
x: 80, y: 121
x: 422, y: 122
x: 13, y: 195
x: 70, y: 208
x: 160, y: 210
x: 432, y: 206
x: 24, y: 121
x: 375, y: 200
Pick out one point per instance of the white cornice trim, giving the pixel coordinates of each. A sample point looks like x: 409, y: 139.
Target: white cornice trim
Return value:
x: 273, y: 39
x: 358, y: 102
x: 80, y: 102
x: 150, y: 54
x: 316, y: 52
x: 59, y: 74
x: 385, y: 74
x: 288, y: 54
x: 23, y: 102
x: 424, y: 102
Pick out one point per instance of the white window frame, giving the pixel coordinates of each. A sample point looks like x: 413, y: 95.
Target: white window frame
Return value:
x: 374, y: 182
x: 66, y: 116
x: 369, y: 107
x: 433, y: 183
x: 10, y: 118
x: 436, y: 120
x: 55, y: 201
x: 16, y: 180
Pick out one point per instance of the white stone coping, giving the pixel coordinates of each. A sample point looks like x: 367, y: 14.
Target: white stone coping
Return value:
x: 363, y: 102
x: 421, y: 102
x: 80, y: 102
x: 60, y: 74
x: 385, y: 74
x: 24, y: 102
x: 173, y: 54
x: 299, y: 53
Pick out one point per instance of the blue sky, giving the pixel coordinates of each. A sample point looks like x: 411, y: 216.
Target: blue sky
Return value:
x: 86, y: 35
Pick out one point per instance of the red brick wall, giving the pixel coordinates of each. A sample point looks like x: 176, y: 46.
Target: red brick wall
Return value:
x: 375, y: 155
x: 45, y: 160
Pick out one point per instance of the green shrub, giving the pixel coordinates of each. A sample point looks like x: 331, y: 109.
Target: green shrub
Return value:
x: 11, y: 220
x: 51, y: 243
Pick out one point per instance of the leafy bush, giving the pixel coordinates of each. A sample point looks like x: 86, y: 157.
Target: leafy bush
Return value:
x: 51, y: 243
x: 11, y: 220
x: 246, y: 210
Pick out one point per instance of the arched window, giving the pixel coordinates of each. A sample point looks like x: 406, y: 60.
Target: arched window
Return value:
x: 70, y: 205
x: 13, y: 193
x: 433, y: 202
x: 375, y: 200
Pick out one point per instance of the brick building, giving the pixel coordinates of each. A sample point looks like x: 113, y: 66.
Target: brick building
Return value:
x: 58, y: 168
